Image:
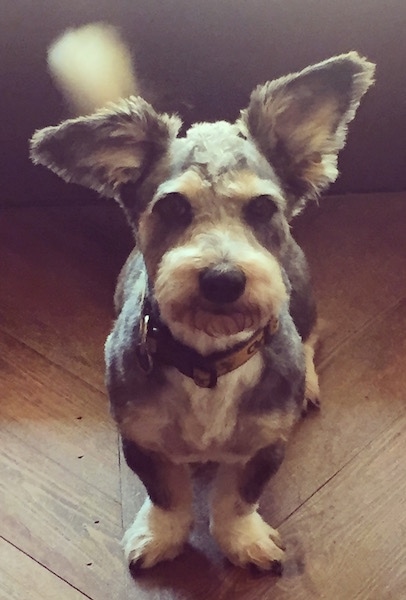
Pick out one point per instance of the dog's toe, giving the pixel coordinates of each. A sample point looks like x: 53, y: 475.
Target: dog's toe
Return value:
x: 277, y: 567
x: 277, y: 539
x: 135, y: 564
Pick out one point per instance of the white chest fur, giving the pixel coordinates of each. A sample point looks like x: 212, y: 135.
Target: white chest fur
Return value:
x: 211, y: 415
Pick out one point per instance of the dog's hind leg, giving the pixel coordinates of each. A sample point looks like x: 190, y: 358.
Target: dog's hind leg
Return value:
x: 240, y: 531
x: 162, y: 525
x: 312, y: 389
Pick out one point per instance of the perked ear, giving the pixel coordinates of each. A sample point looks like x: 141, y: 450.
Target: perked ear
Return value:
x: 115, y: 145
x: 299, y: 122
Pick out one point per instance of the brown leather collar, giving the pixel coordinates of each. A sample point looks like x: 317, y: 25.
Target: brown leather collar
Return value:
x: 157, y: 345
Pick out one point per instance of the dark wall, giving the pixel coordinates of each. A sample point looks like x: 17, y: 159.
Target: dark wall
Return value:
x: 203, y: 57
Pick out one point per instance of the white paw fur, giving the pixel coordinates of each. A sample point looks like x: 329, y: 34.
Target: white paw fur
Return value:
x: 248, y: 540
x: 156, y: 535
x: 312, y: 390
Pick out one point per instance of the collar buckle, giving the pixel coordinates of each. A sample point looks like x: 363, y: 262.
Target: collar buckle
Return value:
x: 143, y: 351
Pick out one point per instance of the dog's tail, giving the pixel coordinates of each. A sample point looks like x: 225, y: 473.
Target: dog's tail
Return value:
x: 92, y: 66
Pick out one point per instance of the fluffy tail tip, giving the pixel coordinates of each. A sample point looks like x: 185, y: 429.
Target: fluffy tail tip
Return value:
x: 92, y: 66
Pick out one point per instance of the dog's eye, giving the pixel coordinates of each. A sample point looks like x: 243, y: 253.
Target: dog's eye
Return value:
x: 260, y: 209
x: 174, y: 209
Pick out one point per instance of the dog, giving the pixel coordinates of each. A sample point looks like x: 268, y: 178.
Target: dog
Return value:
x: 211, y: 356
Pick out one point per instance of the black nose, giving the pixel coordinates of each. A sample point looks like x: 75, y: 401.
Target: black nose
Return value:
x: 222, y: 283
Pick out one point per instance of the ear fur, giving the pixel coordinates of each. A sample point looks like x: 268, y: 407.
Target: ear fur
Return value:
x: 299, y: 122
x: 115, y: 145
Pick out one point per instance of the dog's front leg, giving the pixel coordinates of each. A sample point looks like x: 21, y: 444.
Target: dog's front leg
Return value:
x: 236, y: 525
x: 162, y: 525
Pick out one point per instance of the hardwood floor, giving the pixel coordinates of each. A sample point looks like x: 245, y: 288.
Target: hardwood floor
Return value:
x: 339, y: 498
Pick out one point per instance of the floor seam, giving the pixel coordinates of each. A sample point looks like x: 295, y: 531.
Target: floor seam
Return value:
x: 342, y: 467
x: 45, y: 567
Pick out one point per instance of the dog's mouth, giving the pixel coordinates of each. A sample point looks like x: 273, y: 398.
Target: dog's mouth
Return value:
x: 220, y: 320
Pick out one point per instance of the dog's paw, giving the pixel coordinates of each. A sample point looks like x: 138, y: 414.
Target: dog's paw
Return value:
x: 248, y: 541
x: 156, y: 535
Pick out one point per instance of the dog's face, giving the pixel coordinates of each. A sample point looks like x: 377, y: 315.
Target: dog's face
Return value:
x: 211, y: 234
x: 210, y: 210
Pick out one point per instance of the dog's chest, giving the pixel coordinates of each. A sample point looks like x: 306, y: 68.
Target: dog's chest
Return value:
x: 209, y: 419
x: 191, y: 424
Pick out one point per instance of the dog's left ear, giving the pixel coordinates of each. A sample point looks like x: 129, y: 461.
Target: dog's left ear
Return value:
x: 116, y: 145
x: 299, y: 122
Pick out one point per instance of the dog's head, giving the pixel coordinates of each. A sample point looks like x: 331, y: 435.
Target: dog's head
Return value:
x: 210, y: 210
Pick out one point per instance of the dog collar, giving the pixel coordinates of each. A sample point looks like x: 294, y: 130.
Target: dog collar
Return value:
x: 158, y: 345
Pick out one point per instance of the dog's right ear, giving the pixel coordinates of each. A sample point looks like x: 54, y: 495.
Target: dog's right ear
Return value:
x: 299, y: 122
x: 116, y: 145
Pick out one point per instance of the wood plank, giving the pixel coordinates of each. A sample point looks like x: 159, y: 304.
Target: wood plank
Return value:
x: 356, y: 246
x: 58, y: 273
x: 359, y: 550
x: 58, y: 414
x: 21, y: 578
x: 58, y: 519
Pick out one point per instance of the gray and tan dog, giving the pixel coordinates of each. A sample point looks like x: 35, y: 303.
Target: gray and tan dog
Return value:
x: 211, y: 355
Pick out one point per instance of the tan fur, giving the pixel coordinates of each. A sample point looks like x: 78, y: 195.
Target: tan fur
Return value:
x: 312, y: 390
x: 246, y: 185
x: 191, y: 183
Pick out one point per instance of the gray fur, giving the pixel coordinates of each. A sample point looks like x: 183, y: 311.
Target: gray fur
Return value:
x: 281, y: 386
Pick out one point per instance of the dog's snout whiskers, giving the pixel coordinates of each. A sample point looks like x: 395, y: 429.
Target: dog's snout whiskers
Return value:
x: 222, y: 283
